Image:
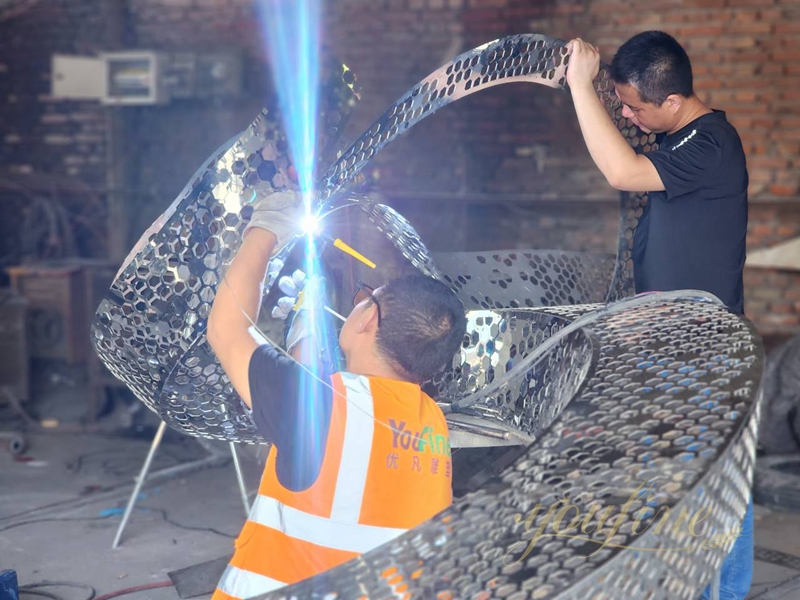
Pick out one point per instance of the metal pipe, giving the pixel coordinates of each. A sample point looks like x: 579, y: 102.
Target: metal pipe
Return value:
x: 139, y: 481
x: 240, y: 478
x: 480, y: 429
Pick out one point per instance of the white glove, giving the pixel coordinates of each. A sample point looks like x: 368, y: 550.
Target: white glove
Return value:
x: 280, y: 213
x: 291, y: 286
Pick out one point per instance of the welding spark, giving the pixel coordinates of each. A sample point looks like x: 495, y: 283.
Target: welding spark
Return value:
x: 310, y: 225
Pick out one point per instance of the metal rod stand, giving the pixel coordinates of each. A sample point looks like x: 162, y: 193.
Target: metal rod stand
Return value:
x: 139, y: 481
x: 240, y: 479
x: 213, y: 460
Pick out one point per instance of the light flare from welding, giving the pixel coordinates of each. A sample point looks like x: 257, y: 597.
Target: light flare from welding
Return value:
x: 291, y: 32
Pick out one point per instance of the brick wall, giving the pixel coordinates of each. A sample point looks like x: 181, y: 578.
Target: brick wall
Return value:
x: 772, y: 297
x: 745, y: 56
x: 37, y: 134
x: 522, y: 140
x: 503, y: 168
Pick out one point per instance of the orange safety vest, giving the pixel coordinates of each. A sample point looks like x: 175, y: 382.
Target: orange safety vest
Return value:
x: 375, y: 483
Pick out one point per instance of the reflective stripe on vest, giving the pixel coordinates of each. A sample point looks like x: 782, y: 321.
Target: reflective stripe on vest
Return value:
x: 238, y: 583
x: 350, y: 537
x: 359, y: 428
x: 360, y: 499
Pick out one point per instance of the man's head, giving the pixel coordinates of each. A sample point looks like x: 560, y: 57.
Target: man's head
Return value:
x: 413, y: 324
x: 653, y: 79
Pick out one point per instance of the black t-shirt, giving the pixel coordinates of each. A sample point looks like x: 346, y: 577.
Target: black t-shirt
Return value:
x: 292, y: 410
x: 692, y: 235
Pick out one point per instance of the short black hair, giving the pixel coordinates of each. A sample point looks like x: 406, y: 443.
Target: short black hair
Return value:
x: 655, y: 64
x: 423, y: 324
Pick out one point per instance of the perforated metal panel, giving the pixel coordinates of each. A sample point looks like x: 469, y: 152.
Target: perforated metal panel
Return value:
x: 527, y: 279
x: 671, y: 399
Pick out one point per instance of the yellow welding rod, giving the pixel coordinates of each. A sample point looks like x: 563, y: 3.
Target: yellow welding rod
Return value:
x: 347, y: 249
x: 300, y: 298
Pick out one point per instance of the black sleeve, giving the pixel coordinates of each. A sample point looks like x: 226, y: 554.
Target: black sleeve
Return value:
x: 292, y: 410
x: 684, y: 165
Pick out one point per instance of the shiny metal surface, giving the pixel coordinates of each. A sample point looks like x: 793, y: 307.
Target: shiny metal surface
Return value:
x: 661, y: 387
x: 671, y: 399
x: 527, y: 278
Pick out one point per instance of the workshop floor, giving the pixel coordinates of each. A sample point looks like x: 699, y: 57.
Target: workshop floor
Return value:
x: 61, y: 504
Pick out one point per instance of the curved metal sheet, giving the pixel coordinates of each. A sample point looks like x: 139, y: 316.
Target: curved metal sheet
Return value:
x: 671, y: 401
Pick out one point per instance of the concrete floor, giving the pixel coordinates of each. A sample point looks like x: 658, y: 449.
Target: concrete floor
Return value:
x: 60, y: 508
x: 86, y: 482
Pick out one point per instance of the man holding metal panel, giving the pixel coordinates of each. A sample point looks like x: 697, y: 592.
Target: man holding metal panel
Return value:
x: 693, y: 229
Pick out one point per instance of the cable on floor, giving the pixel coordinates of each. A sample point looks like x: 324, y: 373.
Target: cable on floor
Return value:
x: 32, y: 589
x: 134, y: 589
x: 58, y: 520
x: 164, y: 515
x: 39, y: 593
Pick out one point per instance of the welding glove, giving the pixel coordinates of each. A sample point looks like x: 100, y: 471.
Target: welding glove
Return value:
x: 291, y: 286
x: 312, y: 290
x: 278, y: 212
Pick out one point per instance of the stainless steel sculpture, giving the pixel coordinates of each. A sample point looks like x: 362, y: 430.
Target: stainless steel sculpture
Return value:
x: 661, y: 388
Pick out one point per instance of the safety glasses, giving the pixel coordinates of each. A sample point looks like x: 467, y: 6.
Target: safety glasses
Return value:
x: 365, y: 292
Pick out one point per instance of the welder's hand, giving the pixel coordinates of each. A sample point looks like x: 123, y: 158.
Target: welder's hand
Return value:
x: 279, y: 212
x: 291, y: 286
x: 312, y: 305
x: 584, y: 63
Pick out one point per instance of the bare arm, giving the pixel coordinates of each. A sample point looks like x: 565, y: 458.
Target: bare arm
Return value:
x: 622, y: 167
x: 239, y: 297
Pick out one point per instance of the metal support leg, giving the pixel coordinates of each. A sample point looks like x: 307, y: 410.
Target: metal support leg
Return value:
x: 139, y: 482
x: 240, y: 479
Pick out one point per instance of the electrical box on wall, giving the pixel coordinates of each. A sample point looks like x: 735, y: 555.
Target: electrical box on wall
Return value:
x: 76, y: 77
x: 140, y: 77
x: 134, y: 78
x: 206, y: 75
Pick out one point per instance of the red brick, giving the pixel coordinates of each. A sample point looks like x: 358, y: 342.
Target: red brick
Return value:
x: 769, y: 69
x: 775, y: 15
x: 786, y: 231
x: 762, y: 229
x: 733, y: 42
x: 768, y: 162
x: 676, y: 17
x: 783, y: 190
x: 787, y: 27
x: 765, y: 121
x: 754, y: 276
x: 568, y: 9
x: 782, y: 308
x: 746, y: 96
x: 788, y: 148
x: 735, y: 3
x: 785, y: 134
x: 698, y: 30
x: 749, y: 28
x: 785, y: 55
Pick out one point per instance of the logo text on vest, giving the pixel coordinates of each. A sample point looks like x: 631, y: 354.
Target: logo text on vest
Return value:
x: 418, y: 441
